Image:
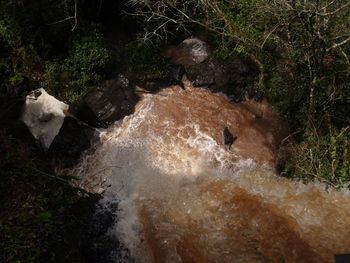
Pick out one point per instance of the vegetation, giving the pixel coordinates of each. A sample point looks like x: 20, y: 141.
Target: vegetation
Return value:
x: 40, y: 212
x: 85, y: 65
x: 324, y: 157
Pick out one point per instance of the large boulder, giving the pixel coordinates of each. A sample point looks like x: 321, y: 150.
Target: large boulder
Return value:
x: 44, y: 116
x: 191, y: 51
x: 108, y: 103
x: 223, y: 76
x: 61, y: 135
x: 232, y: 77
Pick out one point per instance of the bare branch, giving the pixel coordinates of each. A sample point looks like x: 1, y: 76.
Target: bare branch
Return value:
x: 268, y: 35
x: 328, y: 5
x: 335, y: 11
x: 75, y: 14
x: 60, y: 21
x: 345, y: 56
x: 339, y: 44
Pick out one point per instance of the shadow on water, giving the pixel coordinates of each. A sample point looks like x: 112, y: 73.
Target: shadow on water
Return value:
x: 98, y: 242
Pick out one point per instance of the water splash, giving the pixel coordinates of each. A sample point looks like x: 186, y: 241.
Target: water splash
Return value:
x: 184, y: 197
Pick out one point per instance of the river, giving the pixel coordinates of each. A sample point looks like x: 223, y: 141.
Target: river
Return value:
x: 184, y: 196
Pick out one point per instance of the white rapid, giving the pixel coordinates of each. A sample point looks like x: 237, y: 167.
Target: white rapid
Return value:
x: 185, y: 197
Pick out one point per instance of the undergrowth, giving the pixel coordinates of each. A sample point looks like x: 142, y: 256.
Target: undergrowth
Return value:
x: 40, y: 213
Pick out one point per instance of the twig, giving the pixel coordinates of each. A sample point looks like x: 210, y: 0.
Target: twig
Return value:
x: 345, y: 56
x: 290, y: 135
x: 328, y: 5
x: 339, y: 44
x: 335, y: 11
x: 75, y: 14
x: 60, y: 21
x: 268, y: 35
x: 99, y: 8
x: 60, y: 179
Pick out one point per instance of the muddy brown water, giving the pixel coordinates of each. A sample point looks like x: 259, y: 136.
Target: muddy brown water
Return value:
x: 185, y: 197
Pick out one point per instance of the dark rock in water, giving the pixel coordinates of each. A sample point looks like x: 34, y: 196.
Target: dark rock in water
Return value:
x: 73, y: 139
x: 106, y: 104
x: 229, y: 139
x: 236, y: 98
x: 191, y: 51
x: 342, y: 258
x: 152, y: 83
x: 258, y: 96
x: 98, y: 243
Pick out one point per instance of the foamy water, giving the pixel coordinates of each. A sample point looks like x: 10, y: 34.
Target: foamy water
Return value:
x: 185, y: 197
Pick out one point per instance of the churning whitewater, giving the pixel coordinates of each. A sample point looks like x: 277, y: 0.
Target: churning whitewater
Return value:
x: 186, y: 197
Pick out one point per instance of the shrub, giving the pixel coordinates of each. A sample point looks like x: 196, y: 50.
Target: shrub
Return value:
x: 323, y: 157
x: 86, y: 65
x: 89, y: 59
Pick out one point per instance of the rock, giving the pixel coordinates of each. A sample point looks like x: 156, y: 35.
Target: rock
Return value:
x: 73, y: 139
x: 222, y: 76
x: 211, y: 73
x: 122, y: 81
x: 44, y: 116
x: 107, y: 104
x: 190, y: 52
x: 229, y: 139
x: 61, y: 135
x: 153, y: 82
x: 229, y: 77
x: 258, y: 96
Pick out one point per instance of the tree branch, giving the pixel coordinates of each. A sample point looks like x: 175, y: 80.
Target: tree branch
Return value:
x: 75, y: 14
x: 339, y: 44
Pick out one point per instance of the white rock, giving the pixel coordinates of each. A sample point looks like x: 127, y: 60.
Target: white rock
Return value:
x: 44, y: 116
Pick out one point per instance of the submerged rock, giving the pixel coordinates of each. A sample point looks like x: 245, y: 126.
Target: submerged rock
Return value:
x: 44, y: 116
